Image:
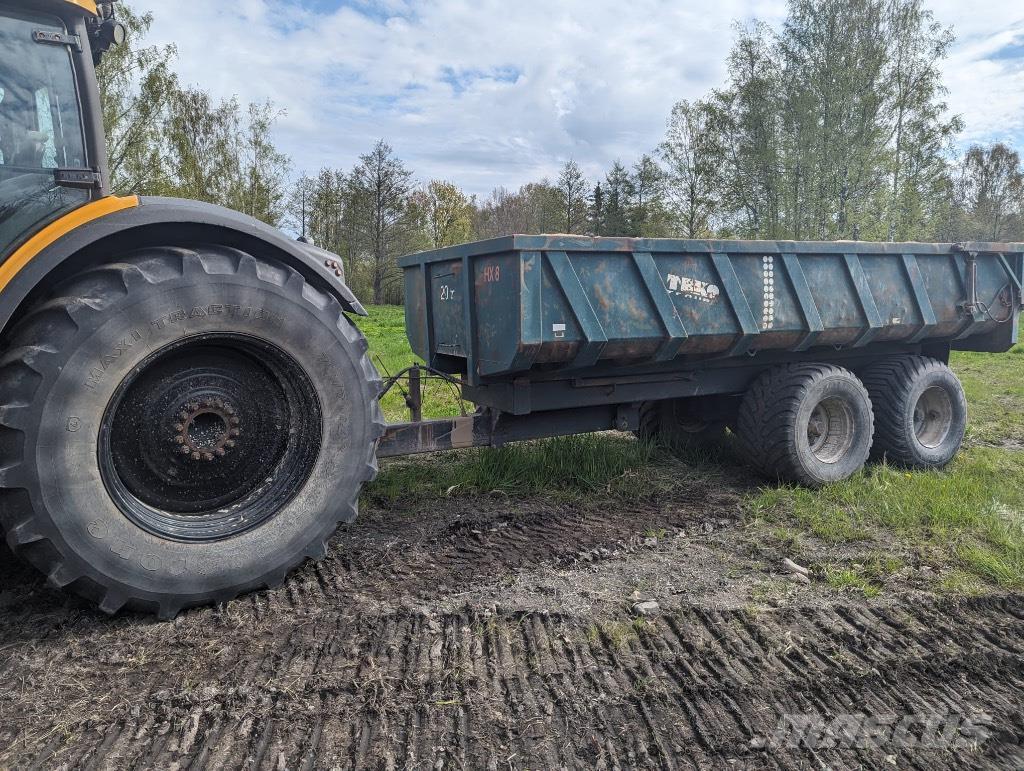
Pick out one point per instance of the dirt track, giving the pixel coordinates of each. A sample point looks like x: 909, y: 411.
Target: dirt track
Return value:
x: 481, y: 634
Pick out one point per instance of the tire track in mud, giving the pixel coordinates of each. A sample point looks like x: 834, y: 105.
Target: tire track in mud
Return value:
x: 479, y: 690
x: 347, y: 667
x: 447, y: 548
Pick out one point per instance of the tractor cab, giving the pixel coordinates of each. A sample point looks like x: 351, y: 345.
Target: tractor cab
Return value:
x: 51, y: 155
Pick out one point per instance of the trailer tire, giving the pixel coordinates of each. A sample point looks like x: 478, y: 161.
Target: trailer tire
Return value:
x: 920, y: 411
x: 669, y: 422
x: 810, y: 424
x: 181, y: 427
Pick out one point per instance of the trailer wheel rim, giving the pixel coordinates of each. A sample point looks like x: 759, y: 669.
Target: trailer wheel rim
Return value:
x: 209, y: 437
x: 933, y: 417
x: 831, y: 430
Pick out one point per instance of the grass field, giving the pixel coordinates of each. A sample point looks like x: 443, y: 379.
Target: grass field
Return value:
x: 968, y: 519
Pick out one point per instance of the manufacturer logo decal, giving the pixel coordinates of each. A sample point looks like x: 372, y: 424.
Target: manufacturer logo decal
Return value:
x: 691, y: 287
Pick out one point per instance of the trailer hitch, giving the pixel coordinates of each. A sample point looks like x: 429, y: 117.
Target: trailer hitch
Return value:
x: 485, y: 427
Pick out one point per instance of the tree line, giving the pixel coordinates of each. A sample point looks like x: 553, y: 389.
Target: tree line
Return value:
x: 832, y: 127
x: 168, y: 139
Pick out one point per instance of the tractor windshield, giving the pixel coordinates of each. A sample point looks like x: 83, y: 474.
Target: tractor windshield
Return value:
x: 40, y: 127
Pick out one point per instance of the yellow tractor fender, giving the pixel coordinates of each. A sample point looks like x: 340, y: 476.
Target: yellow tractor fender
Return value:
x: 101, y: 230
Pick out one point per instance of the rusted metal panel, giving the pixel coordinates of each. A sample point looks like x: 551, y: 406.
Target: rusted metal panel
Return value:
x: 524, y: 305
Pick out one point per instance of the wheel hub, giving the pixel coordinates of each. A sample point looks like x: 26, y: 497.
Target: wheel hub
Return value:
x: 210, y: 437
x: 830, y: 430
x: 207, y: 429
x: 933, y: 417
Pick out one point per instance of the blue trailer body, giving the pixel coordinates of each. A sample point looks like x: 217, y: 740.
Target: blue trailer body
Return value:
x: 541, y: 309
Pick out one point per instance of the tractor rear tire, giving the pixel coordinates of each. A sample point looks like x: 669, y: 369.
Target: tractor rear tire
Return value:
x: 181, y: 427
x: 920, y: 411
x: 810, y: 424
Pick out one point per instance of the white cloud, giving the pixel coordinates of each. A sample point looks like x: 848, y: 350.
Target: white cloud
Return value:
x: 985, y: 73
x: 493, y: 92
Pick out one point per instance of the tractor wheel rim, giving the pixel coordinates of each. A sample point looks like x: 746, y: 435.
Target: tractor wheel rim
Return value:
x: 933, y: 417
x: 210, y: 437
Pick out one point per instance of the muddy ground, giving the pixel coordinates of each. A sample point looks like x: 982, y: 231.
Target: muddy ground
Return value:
x: 499, y: 633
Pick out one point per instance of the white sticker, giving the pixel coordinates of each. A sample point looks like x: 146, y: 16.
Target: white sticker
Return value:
x: 559, y: 330
x: 768, y: 312
x: 691, y: 287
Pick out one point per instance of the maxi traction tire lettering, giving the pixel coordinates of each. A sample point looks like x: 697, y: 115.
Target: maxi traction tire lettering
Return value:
x: 67, y: 357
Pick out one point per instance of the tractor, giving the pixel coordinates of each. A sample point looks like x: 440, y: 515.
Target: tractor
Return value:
x: 186, y: 410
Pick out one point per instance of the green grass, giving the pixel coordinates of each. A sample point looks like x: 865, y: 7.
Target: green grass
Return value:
x: 969, y: 515
x: 847, y: 579
x: 567, y: 467
x: 391, y: 353
x: 994, y: 384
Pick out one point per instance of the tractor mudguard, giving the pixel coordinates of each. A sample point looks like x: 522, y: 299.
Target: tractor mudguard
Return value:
x: 169, y: 222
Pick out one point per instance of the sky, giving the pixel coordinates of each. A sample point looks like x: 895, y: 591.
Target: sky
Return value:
x: 490, y: 93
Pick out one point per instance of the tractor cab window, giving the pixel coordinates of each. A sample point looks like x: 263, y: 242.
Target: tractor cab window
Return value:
x: 40, y: 127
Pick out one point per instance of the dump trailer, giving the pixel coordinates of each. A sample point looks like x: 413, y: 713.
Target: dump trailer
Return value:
x: 188, y: 410
x: 815, y: 355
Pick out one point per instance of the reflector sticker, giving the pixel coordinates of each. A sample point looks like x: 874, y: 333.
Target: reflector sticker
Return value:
x: 768, y: 310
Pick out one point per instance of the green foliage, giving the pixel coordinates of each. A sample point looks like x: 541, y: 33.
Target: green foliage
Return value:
x: 833, y: 126
x: 316, y: 210
x: 995, y: 392
x: 165, y: 139
x: 693, y: 155
x: 572, y: 198
x: 136, y: 85
x: 534, y: 208
x: 845, y: 579
x: 382, y: 220
x: 990, y: 195
x: 631, y: 202
x: 447, y: 214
